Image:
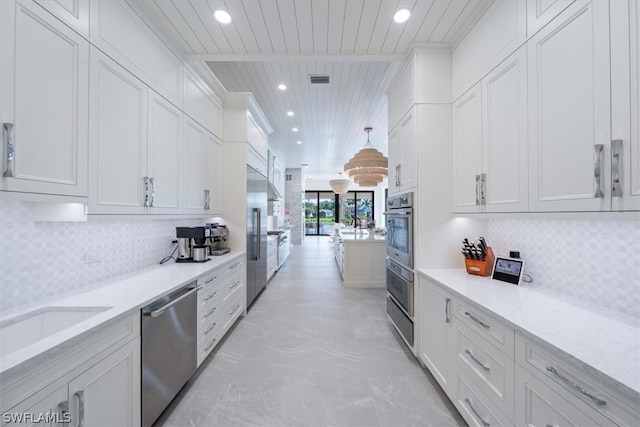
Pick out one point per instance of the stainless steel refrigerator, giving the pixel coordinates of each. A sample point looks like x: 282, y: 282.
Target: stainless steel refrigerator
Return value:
x: 257, y: 188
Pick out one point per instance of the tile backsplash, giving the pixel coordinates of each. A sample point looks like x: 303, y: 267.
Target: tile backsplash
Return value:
x: 43, y: 259
x: 595, y: 261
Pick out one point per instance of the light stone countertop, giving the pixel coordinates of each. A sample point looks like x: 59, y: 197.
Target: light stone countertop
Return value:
x: 601, y: 341
x: 124, y: 295
x: 362, y: 238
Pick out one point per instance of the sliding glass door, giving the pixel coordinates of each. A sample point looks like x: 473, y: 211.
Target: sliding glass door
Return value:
x: 322, y: 209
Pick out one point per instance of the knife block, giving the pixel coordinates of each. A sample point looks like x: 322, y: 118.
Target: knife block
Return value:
x: 481, y: 267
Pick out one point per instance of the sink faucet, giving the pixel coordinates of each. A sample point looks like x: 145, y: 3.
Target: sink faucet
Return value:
x: 357, y: 222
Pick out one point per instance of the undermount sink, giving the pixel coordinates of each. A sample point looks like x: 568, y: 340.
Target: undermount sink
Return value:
x: 23, y: 330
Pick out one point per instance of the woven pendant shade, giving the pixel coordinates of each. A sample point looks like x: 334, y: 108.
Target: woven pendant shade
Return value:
x: 369, y: 166
x: 340, y: 185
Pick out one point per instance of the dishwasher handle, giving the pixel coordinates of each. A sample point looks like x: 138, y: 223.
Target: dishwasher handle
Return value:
x: 158, y: 311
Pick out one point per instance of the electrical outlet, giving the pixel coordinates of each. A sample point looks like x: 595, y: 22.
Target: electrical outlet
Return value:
x: 90, y: 257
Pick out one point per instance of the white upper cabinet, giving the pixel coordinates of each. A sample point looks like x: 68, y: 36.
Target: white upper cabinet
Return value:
x: 541, y: 12
x: 467, y: 151
x: 119, y: 32
x: 118, y: 139
x: 43, y: 107
x: 74, y: 13
x: 214, y: 173
x: 625, y: 97
x: 402, y: 154
x: 498, y: 33
x: 569, y: 111
x: 195, y: 192
x: 164, y: 155
x: 201, y: 104
x: 504, y: 136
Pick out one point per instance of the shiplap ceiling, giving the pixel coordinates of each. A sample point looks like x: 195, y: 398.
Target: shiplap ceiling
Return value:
x: 354, y: 42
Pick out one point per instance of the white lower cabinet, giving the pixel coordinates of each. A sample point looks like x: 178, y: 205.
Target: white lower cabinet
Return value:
x: 272, y: 257
x: 363, y: 264
x: 474, y: 406
x: 95, y: 382
x: 434, y: 330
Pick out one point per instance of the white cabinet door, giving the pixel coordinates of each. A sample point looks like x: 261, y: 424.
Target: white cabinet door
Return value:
x: 214, y: 173
x: 569, y: 110
x: 467, y: 151
x: 541, y: 12
x: 44, y: 81
x: 434, y: 317
x: 625, y: 95
x: 194, y: 167
x: 402, y: 154
x: 164, y: 154
x: 74, y: 13
x: 504, y: 142
x: 108, y: 394
x: 51, y: 406
x: 118, y: 138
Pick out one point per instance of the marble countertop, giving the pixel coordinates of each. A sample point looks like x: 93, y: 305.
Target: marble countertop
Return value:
x: 362, y: 238
x: 599, y: 339
x: 123, y: 295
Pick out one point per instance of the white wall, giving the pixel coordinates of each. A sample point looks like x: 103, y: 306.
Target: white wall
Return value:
x: 43, y: 259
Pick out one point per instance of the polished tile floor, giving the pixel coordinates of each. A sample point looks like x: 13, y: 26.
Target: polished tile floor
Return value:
x: 311, y: 353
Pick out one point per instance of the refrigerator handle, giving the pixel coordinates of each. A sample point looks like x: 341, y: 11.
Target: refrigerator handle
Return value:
x: 259, y: 234
x: 255, y: 227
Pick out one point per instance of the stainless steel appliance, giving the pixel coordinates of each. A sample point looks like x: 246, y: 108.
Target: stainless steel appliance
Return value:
x: 169, y: 349
x: 256, y: 234
x: 219, y: 236
x: 399, y: 221
x: 400, y: 299
x: 192, y: 243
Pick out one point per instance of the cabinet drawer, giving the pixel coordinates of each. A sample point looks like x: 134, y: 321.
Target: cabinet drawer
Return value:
x: 232, y: 289
x: 575, y: 384
x: 538, y: 405
x: 491, y: 370
x: 490, y: 328
x: 232, y: 311
x: 474, y: 406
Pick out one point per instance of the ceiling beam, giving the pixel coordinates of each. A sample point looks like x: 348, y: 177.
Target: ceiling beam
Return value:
x: 298, y: 58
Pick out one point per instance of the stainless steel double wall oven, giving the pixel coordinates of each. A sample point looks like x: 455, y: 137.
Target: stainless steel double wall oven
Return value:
x: 400, y: 294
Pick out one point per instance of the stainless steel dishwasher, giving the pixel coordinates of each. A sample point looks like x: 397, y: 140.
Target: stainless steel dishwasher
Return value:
x: 169, y: 349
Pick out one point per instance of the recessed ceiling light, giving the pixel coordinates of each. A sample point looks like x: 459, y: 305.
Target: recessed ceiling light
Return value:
x: 222, y: 16
x: 282, y: 86
x: 295, y: 129
x: 401, y: 16
x: 289, y: 113
x: 299, y: 142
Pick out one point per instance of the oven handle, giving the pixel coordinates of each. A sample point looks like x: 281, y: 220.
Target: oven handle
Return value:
x: 398, y: 212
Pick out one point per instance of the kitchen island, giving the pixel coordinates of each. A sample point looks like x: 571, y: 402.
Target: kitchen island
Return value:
x: 361, y: 258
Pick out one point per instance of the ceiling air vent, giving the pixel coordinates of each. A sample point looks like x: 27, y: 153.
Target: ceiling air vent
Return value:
x: 318, y: 79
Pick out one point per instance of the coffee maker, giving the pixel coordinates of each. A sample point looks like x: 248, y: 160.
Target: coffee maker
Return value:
x: 193, y: 243
x: 219, y: 236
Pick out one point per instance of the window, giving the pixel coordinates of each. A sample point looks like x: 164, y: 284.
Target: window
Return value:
x: 322, y: 209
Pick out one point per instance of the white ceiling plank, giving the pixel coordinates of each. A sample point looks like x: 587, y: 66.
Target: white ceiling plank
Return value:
x: 167, y: 25
x: 173, y: 15
x: 450, y: 17
x: 238, y: 31
x: 433, y: 18
x: 365, y: 28
x: 336, y: 16
x: 466, y: 20
x: 289, y: 26
x: 382, y: 26
x: 205, y: 16
x: 198, y: 24
x: 320, y: 13
x: 257, y: 26
x: 419, y: 14
x: 305, y: 26
x: 352, y: 15
x: 271, y: 16
x: 396, y: 30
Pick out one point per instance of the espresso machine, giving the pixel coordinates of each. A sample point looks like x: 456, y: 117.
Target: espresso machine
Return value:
x: 193, y: 244
x: 218, y: 239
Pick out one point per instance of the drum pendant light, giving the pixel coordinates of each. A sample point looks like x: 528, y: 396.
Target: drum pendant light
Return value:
x: 369, y: 166
x: 340, y: 185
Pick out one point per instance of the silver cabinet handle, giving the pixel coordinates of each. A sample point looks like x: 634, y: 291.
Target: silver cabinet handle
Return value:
x: 210, y: 344
x: 446, y: 310
x: 234, y: 310
x: 468, y: 402
x: 64, y: 411
x: 475, y: 319
x: 210, y: 280
x: 234, y: 266
x: 483, y: 189
x: 616, y: 163
x: 398, y: 175
x: 207, y: 298
x: 486, y: 368
x: 152, y: 181
x: 210, y: 312
x: 7, y: 128
x: 210, y: 328
x: 235, y: 285
x: 597, y: 172
x: 477, y: 190
x: 207, y: 200
x: 576, y: 387
x: 147, y: 191
x: 80, y: 395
